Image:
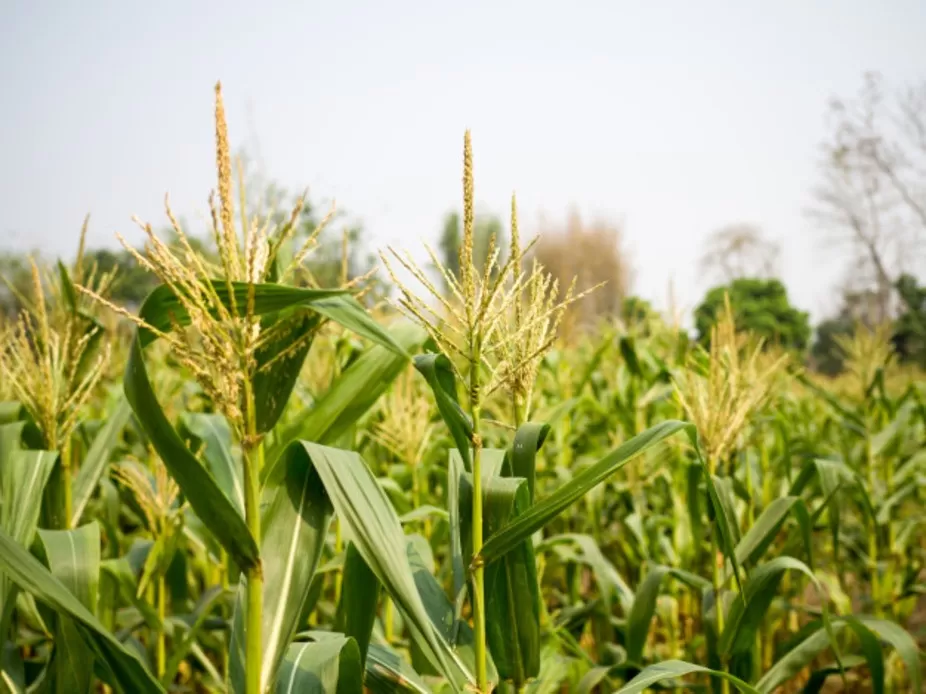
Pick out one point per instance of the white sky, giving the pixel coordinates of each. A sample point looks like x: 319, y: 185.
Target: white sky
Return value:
x: 673, y: 117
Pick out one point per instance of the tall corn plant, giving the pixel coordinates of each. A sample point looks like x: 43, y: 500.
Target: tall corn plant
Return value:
x: 242, y: 330
x: 492, y: 330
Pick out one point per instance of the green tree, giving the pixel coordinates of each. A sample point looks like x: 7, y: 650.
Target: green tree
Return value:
x: 826, y: 356
x: 759, y: 306
x: 910, y: 327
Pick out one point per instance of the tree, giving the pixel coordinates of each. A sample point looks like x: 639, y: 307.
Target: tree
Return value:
x: 872, y: 192
x: 910, y: 327
x: 593, y: 254
x: 739, y: 250
x: 760, y: 306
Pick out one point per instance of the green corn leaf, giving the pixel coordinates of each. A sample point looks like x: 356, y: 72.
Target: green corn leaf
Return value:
x: 356, y: 612
x: 762, y: 533
x: 124, y: 670
x: 521, y: 459
x: 330, y: 665
x: 442, y: 614
x: 544, y: 510
x: 870, y: 631
x: 611, y: 585
x: 97, y: 458
x: 124, y: 578
x: 11, y: 411
x: 903, y: 643
x: 295, y: 515
x: 23, y: 476
x: 276, y: 375
x: 210, y: 503
x: 670, y: 669
x: 512, y: 593
x: 190, y: 625
x: 438, y: 372
x: 353, y: 392
x: 163, y: 310
x: 388, y: 673
x: 818, y: 677
x: 218, y: 450
x: 74, y: 559
x: 370, y: 522
x: 871, y: 649
x: 644, y: 606
x: 629, y: 354
x: 747, y: 611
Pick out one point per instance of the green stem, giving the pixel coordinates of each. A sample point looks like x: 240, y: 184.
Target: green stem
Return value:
x: 873, y: 534
x: 388, y: 620
x: 716, y: 567
x: 161, y: 646
x: 338, y: 548
x: 253, y: 462
x: 479, y: 615
x: 223, y: 580
x: 66, y: 483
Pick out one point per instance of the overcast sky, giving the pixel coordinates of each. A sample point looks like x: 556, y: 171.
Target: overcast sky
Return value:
x: 673, y: 118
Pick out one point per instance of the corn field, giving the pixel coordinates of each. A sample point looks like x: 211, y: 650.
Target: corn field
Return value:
x: 257, y: 484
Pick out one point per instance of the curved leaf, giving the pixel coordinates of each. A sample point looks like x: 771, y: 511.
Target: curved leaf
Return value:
x: 746, y: 612
x: 210, y: 503
x: 543, y: 511
x: 74, y: 559
x: 521, y: 460
x: 677, y: 668
x: 371, y: 523
x: 438, y: 372
x: 125, y: 671
x: 388, y: 673
x: 327, y: 666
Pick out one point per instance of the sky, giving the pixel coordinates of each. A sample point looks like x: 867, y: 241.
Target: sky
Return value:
x: 670, y: 118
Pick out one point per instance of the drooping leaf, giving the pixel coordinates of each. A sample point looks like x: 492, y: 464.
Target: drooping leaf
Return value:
x: 746, y: 612
x: 438, y: 372
x: 74, y: 559
x: 670, y: 669
x: 521, y: 460
x: 23, y: 476
x: 278, y: 363
x: 214, y: 508
x: 124, y: 670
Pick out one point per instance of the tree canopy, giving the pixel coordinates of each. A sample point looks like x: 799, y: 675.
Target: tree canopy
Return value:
x: 760, y: 306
